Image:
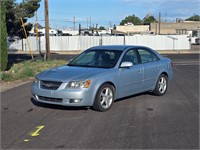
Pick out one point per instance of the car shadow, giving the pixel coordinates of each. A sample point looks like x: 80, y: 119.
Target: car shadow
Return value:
x: 59, y: 107
x: 133, y: 96
x: 17, y: 58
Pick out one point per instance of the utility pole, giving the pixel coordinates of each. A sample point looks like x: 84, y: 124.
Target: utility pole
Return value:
x: 90, y: 22
x: 74, y: 23
x: 156, y: 28
x: 47, y: 30
x: 87, y: 23
x: 159, y: 23
x: 79, y: 29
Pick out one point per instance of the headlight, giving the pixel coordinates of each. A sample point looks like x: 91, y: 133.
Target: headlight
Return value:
x: 79, y: 84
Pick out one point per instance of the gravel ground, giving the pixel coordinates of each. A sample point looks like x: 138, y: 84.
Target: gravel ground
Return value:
x: 12, y: 84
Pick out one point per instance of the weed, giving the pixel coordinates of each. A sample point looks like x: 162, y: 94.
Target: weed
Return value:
x: 28, y: 69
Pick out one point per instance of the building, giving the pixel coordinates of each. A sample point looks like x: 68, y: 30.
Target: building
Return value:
x: 179, y: 28
x: 131, y: 29
x: 69, y: 32
x: 41, y: 30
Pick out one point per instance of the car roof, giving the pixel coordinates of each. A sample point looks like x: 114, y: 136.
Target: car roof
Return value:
x: 117, y: 47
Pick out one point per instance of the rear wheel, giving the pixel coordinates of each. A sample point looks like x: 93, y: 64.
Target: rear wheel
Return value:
x: 161, y: 85
x: 104, y: 98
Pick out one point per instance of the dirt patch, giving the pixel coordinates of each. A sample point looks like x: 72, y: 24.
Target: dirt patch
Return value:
x: 12, y: 84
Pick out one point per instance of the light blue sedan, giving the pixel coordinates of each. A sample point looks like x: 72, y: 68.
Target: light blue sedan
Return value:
x: 102, y: 74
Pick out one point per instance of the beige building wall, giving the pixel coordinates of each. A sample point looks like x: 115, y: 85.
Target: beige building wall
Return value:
x: 133, y: 28
x: 174, y: 28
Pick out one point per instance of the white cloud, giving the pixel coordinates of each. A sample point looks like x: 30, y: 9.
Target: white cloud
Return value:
x: 127, y: 1
x: 171, y: 8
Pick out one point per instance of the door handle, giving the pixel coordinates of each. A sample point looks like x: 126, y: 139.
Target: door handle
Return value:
x: 140, y: 70
x: 158, y: 67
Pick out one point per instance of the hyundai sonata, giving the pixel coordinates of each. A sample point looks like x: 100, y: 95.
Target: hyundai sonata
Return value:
x: 102, y: 74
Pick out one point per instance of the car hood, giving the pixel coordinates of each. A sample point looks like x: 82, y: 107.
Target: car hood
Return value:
x: 69, y: 73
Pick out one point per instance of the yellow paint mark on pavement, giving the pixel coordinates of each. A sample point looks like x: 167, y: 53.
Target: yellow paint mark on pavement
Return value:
x: 36, y: 133
x: 26, y: 140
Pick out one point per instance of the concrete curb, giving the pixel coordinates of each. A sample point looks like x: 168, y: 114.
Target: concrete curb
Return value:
x: 180, y: 52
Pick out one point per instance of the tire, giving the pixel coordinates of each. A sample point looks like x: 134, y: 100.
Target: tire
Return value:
x: 161, y: 85
x: 104, y: 98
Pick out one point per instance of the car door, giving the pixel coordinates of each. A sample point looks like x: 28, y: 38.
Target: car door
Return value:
x: 130, y: 77
x: 151, y: 68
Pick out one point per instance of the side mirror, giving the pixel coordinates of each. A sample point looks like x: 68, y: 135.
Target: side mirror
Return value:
x: 126, y: 64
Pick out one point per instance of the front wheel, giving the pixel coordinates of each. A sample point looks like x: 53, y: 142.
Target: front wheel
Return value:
x: 104, y: 98
x: 161, y: 85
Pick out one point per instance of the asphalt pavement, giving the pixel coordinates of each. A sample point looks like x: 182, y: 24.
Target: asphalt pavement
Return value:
x: 142, y: 121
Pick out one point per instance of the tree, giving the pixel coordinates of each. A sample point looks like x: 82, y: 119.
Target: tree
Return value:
x: 131, y: 19
x: 193, y: 18
x: 25, y: 9
x: 148, y: 19
x: 4, y: 54
x: 102, y: 28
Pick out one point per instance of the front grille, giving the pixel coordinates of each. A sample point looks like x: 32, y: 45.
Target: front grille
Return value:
x: 50, y: 99
x: 50, y: 85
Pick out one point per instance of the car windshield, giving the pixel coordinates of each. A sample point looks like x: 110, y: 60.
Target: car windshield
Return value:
x: 96, y: 59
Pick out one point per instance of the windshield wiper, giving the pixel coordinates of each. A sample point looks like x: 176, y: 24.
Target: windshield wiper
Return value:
x: 80, y: 65
x: 86, y: 66
x: 71, y: 65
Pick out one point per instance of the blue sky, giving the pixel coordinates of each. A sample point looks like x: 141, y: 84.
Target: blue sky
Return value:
x: 109, y: 12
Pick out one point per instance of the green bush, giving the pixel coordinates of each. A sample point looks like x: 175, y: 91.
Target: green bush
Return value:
x: 3, y: 35
x: 6, y: 77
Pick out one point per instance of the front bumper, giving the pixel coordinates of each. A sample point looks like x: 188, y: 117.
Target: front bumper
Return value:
x: 63, y: 96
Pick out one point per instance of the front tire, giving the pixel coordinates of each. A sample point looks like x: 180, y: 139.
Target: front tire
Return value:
x: 104, y: 98
x: 161, y: 85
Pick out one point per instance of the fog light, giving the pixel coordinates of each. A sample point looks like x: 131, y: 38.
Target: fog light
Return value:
x: 75, y: 100
x: 35, y: 96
